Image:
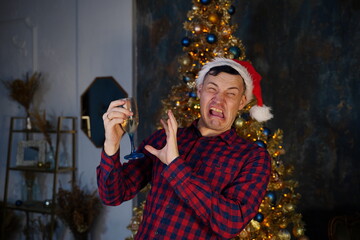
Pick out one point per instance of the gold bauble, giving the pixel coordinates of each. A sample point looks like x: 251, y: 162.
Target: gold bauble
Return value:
x: 284, y: 234
x: 213, y: 18
x: 239, y: 122
x: 298, y: 231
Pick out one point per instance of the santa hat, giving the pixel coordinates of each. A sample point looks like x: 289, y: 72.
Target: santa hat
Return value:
x: 259, y: 112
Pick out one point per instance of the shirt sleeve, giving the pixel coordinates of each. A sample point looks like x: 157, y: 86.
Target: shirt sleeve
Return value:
x: 227, y: 212
x: 121, y: 182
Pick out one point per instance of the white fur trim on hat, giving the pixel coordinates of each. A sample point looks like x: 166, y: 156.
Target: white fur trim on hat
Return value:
x: 261, y: 114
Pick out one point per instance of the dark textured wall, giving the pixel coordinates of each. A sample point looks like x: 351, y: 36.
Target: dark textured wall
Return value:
x: 309, y: 55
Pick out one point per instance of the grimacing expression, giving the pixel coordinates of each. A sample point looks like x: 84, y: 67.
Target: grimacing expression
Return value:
x: 221, y: 97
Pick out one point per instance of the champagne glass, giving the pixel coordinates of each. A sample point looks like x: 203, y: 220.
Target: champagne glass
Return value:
x: 130, y: 125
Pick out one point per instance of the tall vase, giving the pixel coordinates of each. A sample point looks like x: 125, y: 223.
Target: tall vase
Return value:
x: 50, y: 158
x: 28, y: 122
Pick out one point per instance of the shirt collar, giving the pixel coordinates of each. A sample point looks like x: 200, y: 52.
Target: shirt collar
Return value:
x: 228, y: 136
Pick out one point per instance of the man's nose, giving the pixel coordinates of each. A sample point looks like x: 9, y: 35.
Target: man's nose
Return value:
x: 219, y: 97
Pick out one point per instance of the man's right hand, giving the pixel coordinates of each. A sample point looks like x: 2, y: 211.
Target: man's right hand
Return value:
x: 112, y: 118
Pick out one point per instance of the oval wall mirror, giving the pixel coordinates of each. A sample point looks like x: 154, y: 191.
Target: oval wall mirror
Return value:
x: 94, y: 103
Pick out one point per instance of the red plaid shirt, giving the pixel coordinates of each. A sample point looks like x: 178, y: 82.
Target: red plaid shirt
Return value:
x: 211, y: 191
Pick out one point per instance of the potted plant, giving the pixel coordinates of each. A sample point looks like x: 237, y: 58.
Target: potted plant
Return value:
x: 78, y: 210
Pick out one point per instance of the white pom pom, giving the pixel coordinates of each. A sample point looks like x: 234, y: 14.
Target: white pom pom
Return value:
x: 261, y: 114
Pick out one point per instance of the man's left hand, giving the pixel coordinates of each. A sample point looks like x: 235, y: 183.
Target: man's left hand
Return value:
x: 170, y: 151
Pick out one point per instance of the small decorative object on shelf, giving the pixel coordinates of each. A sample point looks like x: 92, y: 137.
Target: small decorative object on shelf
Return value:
x: 47, y: 203
x: 30, y: 153
x: 18, y: 203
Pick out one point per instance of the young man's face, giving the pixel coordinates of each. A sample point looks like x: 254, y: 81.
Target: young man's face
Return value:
x: 221, y: 97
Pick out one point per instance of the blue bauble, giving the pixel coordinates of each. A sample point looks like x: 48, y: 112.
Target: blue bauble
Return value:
x: 205, y: 2
x: 260, y: 143
x: 18, y: 202
x: 272, y: 196
x: 231, y: 10
x: 211, y: 38
x: 192, y: 94
x: 185, y: 41
x: 235, y: 51
x: 245, y: 116
x: 186, y: 79
x: 266, y: 131
x: 259, y: 217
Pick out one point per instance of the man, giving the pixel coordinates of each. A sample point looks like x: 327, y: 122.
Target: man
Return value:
x: 206, y: 182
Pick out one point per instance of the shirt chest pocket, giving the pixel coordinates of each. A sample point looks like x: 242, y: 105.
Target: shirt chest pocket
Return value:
x: 219, y: 173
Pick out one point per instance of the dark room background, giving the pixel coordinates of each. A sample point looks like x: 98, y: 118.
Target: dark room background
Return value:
x: 308, y: 53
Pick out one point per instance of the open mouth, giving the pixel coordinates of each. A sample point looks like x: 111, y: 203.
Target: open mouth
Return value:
x: 216, y: 112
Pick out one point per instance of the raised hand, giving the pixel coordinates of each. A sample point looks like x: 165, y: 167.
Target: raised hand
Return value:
x: 112, y: 118
x: 170, y: 151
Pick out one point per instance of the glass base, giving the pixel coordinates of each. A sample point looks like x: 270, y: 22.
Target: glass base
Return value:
x: 134, y: 155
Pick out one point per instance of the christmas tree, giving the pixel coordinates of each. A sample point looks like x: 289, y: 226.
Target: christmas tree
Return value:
x: 210, y: 34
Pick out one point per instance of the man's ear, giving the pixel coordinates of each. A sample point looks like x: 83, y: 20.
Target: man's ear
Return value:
x: 199, y: 90
x: 242, y: 102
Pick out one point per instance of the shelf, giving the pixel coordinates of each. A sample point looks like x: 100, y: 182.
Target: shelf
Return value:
x: 62, y: 130
x: 33, y: 206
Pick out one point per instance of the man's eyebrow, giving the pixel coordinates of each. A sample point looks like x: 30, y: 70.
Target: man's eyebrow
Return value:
x: 236, y: 88
x: 213, y: 83
x: 230, y: 88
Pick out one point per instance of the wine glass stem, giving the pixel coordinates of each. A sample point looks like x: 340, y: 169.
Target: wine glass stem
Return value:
x: 131, y: 136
